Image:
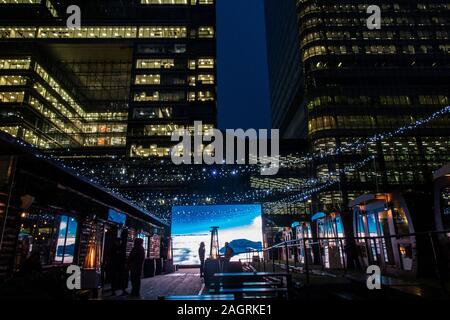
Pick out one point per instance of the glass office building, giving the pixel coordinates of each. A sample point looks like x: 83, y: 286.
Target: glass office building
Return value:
x: 359, y: 82
x: 120, y: 85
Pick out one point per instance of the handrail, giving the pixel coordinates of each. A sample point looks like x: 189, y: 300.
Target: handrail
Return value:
x: 311, y: 239
x: 308, y: 243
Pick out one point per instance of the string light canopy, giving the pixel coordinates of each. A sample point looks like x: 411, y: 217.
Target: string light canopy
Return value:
x: 160, y: 171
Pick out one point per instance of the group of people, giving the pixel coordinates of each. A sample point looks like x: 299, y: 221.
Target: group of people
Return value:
x: 229, y: 253
x: 120, y: 269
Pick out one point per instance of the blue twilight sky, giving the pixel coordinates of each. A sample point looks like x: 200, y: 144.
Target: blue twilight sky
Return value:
x: 200, y: 219
x: 243, y: 96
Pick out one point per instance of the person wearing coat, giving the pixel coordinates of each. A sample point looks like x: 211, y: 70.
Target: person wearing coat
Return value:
x: 135, y: 265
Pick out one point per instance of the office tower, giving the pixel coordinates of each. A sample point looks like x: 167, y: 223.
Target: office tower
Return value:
x: 119, y: 85
x: 107, y: 96
x: 358, y: 82
x: 285, y: 72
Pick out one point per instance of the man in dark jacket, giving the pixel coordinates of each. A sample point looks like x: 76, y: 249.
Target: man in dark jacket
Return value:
x: 117, y: 268
x: 135, y: 264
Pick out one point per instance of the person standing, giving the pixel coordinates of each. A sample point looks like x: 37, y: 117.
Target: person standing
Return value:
x: 135, y: 264
x: 32, y: 265
x: 229, y: 253
x: 201, y: 255
x: 117, y: 268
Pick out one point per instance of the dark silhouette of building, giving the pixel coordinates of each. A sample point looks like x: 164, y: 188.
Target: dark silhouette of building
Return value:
x: 285, y: 72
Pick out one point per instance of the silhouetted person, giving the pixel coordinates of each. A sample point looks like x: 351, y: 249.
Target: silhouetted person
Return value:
x: 117, y: 268
x: 201, y: 255
x: 351, y: 250
x: 229, y: 253
x: 135, y: 264
x: 31, y: 265
x: 277, y: 240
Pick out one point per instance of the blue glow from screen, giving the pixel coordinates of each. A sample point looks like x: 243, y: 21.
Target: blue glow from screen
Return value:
x: 116, y: 216
x: 240, y: 225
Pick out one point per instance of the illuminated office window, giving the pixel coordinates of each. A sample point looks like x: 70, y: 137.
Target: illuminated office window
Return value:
x: 206, y: 78
x: 13, y: 130
x: 395, y: 100
x: 205, y: 32
x: 51, y: 8
x: 62, y: 124
x: 148, y: 79
x: 161, y: 129
x: 191, y: 96
x: 165, y: 2
x: 107, y: 116
x: 87, y: 32
x: 433, y: 100
x: 17, y: 32
x: 10, y: 64
x: 314, y: 51
x: 152, y: 113
x: 177, y: 2
x: 192, y: 81
x: 205, y: 96
x: 145, y: 96
x: 105, y: 140
x: 57, y: 87
x: 20, y: 2
x: 12, y: 81
x: 162, y: 32
x: 324, y: 145
x: 205, y: 63
x: 151, y: 151
x: 46, y: 94
x: 155, y: 63
x: 168, y: 129
x: 321, y: 123
x: 10, y: 97
x: 104, y: 128
x: 149, y: 96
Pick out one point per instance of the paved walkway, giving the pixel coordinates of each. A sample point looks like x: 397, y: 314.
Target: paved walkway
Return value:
x: 182, y: 282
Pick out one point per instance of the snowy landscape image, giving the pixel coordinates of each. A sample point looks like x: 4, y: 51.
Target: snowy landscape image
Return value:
x: 240, y: 225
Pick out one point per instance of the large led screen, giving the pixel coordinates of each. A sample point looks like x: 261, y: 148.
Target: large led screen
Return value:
x: 239, y: 225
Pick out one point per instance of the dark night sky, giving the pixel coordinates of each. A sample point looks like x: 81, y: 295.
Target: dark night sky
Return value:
x: 243, y: 97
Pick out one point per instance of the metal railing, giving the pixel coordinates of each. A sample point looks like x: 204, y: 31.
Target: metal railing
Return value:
x: 424, y: 254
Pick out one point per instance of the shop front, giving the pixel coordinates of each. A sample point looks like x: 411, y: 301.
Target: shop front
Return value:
x: 442, y: 217
x: 442, y: 198
x: 51, y: 218
x: 331, y: 239
x: 304, y: 237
